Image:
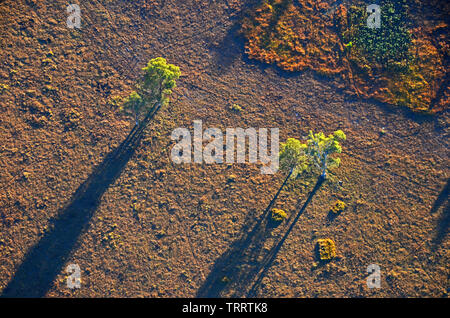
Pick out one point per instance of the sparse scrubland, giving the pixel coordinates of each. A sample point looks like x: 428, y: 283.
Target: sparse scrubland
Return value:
x: 363, y: 119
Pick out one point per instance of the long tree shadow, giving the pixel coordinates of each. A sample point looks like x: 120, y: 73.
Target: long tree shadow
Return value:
x: 226, y: 268
x: 272, y: 255
x: 442, y: 198
x: 231, y: 46
x: 44, y: 261
x: 234, y: 271
x: 444, y: 220
x: 227, y: 50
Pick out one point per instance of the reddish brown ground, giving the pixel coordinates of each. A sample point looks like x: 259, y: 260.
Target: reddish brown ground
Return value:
x: 174, y: 222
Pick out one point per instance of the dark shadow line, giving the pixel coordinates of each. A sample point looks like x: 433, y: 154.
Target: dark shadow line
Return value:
x: 272, y: 255
x: 266, y: 211
x: 444, y: 220
x: 442, y: 227
x: 442, y: 197
x: 44, y: 261
x: 228, y: 264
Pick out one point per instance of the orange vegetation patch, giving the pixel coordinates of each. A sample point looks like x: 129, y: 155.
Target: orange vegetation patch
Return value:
x: 403, y: 63
x: 294, y: 38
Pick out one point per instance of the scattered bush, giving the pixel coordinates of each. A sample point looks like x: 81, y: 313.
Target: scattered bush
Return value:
x: 3, y: 87
x: 236, y: 108
x: 327, y: 249
x: 338, y: 207
x: 278, y: 215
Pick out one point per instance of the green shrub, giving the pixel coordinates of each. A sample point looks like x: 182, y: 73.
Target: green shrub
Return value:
x: 278, y: 215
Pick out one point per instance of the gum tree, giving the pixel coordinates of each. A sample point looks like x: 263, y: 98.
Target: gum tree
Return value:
x: 153, y: 89
x: 316, y: 155
x: 293, y: 158
x: 320, y: 149
x: 297, y: 157
x: 158, y: 81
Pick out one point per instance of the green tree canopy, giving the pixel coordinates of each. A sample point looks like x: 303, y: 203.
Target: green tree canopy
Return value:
x: 297, y: 157
x: 293, y: 157
x: 158, y: 81
x: 153, y: 89
x: 320, y: 148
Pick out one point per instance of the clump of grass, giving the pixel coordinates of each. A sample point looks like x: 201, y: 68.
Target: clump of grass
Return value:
x: 231, y: 178
x: 112, y: 239
x: 47, y: 61
x: 72, y: 118
x: 327, y: 249
x: 338, y: 207
x: 3, y: 87
x: 225, y: 280
x: 278, y: 215
x: 236, y: 108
